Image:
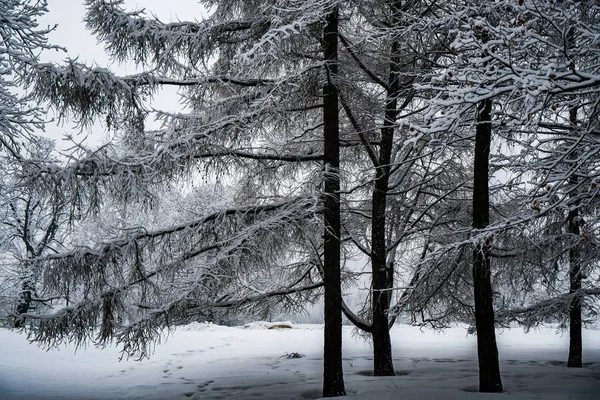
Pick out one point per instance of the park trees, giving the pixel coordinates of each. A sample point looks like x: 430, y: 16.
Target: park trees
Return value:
x: 324, y: 126
x: 461, y: 110
x: 544, y: 52
x: 570, y: 100
x: 512, y: 61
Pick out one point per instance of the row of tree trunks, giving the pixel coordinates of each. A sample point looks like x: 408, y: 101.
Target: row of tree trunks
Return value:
x: 489, y: 372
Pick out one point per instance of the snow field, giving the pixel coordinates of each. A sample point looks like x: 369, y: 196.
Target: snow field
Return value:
x: 206, y: 361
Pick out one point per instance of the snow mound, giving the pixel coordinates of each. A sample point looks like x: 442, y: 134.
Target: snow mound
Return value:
x: 268, y: 325
x: 200, y: 327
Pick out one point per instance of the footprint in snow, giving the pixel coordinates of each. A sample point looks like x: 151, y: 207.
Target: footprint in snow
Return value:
x: 204, y: 385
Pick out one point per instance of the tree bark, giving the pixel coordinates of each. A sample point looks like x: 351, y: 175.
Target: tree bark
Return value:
x: 383, y: 274
x: 575, y: 340
x: 487, y: 349
x: 333, y: 375
x: 573, y: 227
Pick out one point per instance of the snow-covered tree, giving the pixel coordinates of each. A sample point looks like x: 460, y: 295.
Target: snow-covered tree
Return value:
x: 544, y: 58
x: 517, y: 64
x: 563, y: 98
x: 28, y: 229
x: 22, y: 40
x: 252, y: 79
x: 397, y: 180
x: 32, y: 225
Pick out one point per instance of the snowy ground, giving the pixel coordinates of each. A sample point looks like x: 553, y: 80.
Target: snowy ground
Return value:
x: 202, y: 361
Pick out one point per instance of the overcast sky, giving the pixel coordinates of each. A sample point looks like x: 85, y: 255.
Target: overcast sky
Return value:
x: 72, y: 34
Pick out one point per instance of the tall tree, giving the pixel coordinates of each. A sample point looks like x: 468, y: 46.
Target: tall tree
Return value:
x: 260, y: 100
x: 574, y: 228
x: 466, y: 80
x: 333, y: 375
x: 383, y: 274
x: 379, y: 101
x: 487, y: 349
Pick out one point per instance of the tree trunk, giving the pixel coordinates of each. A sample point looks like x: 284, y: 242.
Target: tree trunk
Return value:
x: 333, y: 375
x: 382, y: 345
x: 573, y: 227
x: 575, y: 341
x: 383, y: 274
x: 487, y: 349
x: 25, y: 302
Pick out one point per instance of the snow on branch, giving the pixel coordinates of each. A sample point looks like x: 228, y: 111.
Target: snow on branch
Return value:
x: 20, y: 44
x: 86, y: 93
x: 287, y: 21
x: 134, y: 286
x: 275, y: 293
x: 22, y: 37
x: 88, y: 256
x: 555, y: 308
x: 132, y: 36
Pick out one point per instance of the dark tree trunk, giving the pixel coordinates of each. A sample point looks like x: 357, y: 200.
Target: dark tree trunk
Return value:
x: 487, y: 349
x: 575, y: 341
x: 333, y: 375
x: 383, y: 274
x: 573, y: 227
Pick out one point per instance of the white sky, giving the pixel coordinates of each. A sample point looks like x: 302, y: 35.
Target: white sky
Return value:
x: 72, y: 34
